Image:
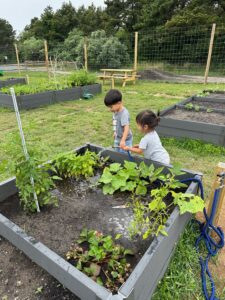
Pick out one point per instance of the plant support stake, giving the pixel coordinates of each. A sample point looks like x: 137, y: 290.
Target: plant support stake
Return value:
x: 23, y: 142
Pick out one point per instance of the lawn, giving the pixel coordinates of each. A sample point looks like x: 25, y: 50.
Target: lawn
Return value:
x: 64, y: 126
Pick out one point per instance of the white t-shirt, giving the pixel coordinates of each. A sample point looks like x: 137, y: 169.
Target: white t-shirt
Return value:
x: 153, y: 149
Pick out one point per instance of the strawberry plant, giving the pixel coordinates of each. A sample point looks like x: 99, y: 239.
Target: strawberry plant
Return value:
x: 100, y: 258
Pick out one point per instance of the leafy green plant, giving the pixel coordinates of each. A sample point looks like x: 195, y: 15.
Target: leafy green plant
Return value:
x: 99, y: 257
x: 38, y: 87
x: 25, y: 169
x: 82, y: 77
x: 150, y: 210
x: 129, y: 177
x: 71, y: 164
x: 151, y: 216
x: 191, y: 106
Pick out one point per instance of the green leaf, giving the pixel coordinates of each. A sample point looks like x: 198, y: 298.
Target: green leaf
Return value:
x: 118, y: 182
x: 128, y: 252
x: 106, y: 176
x: 130, y: 186
x: 114, y: 274
x: 115, y: 167
x: 99, y: 281
x: 118, y: 236
x: 188, y: 202
x: 153, y: 204
x: 108, y: 189
x: 141, y: 190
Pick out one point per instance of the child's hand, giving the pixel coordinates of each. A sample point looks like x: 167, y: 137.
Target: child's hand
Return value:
x: 126, y: 148
x: 122, y: 144
x: 136, y: 146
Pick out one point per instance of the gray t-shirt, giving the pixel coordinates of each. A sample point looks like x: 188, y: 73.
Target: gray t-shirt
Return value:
x: 153, y: 149
x: 120, y: 119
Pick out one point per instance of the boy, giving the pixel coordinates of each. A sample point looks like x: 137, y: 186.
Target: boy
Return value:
x: 121, y: 120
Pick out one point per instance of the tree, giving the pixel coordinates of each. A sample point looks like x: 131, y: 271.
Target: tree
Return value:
x: 7, y: 33
x: 32, y: 49
x: 123, y: 13
x: 91, y: 19
x: 103, y: 51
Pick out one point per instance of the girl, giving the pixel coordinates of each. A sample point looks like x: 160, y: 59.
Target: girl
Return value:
x: 150, y: 145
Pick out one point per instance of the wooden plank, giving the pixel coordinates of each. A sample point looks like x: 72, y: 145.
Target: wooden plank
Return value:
x: 17, y: 57
x: 85, y: 54
x: 210, y: 52
x: 220, y: 210
x: 135, y: 51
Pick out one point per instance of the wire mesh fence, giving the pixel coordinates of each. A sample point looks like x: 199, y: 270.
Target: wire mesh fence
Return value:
x: 170, y: 51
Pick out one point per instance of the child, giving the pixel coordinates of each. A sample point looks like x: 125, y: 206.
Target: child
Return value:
x: 150, y: 145
x: 121, y: 120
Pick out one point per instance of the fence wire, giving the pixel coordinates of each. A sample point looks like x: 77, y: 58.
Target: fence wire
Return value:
x: 172, y: 50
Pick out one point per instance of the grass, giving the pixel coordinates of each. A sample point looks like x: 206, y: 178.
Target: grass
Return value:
x: 66, y: 125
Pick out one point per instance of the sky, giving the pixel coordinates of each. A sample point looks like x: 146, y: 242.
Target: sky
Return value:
x: 19, y: 12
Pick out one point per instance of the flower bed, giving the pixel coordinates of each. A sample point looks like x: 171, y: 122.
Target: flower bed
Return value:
x: 80, y: 206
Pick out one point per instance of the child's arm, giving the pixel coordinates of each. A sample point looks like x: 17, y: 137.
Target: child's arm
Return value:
x: 133, y: 149
x: 126, y: 129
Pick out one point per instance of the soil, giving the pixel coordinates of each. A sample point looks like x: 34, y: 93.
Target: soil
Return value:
x: 79, y: 207
x: 209, y: 104
x: 157, y: 74
x: 200, y: 116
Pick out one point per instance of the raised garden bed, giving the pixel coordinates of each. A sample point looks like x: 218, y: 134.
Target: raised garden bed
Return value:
x: 49, y: 97
x: 197, y: 117
x: 81, y: 207
x: 12, y: 81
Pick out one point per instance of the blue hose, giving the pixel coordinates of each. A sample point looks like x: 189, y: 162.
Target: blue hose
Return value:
x: 211, y: 245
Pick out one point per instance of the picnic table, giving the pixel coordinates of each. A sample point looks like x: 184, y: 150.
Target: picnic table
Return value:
x: 124, y: 74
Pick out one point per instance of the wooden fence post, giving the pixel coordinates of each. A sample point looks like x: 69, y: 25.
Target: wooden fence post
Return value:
x: 135, y: 51
x: 17, y: 57
x: 46, y: 57
x: 85, y: 54
x: 220, y: 209
x: 210, y: 52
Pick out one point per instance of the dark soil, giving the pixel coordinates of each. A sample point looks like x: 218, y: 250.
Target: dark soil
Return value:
x: 209, y: 104
x: 200, y: 116
x: 79, y: 207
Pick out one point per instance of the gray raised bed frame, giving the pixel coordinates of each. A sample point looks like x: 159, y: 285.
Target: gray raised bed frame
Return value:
x: 12, y: 81
x: 49, y: 97
x: 143, y: 280
x: 208, y: 132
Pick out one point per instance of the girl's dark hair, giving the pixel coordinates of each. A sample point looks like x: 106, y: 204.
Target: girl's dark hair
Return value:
x: 149, y: 118
x: 112, y: 97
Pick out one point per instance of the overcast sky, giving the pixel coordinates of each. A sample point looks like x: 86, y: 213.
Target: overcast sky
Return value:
x: 19, y: 12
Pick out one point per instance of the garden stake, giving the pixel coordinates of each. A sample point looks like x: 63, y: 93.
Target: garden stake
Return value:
x: 23, y: 142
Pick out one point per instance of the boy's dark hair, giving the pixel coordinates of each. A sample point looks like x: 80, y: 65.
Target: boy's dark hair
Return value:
x: 112, y: 97
x: 148, y: 117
